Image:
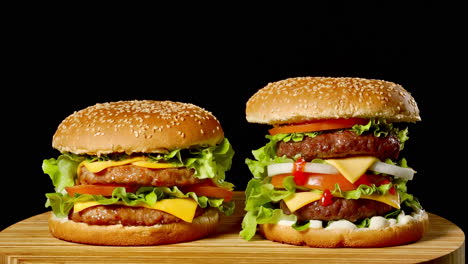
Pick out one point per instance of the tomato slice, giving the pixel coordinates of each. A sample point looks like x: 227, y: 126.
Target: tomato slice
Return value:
x: 104, y: 189
x: 212, y: 191
x: 317, y: 181
x: 208, y: 188
x: 320, y: 125
x: 327, y: 181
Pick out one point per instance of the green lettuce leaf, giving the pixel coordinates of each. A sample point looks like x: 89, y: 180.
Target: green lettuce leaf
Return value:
x: 380, y: 128
x: 212, y: 162
x: 62, y: 171
x: 260, y: 206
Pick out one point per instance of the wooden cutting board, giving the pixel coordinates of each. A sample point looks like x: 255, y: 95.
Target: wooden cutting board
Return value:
x: 29, y: 241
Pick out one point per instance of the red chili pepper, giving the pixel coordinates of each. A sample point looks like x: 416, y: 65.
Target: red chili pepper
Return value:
x: 300, y: 177
x: 326, y: 199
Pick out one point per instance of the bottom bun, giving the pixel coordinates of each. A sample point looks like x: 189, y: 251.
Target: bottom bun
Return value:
x: 118, y: 235
x: 358, y: 237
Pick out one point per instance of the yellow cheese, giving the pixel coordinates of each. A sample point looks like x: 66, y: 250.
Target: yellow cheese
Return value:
x: 391, y: 199
x: 183, y: 208
x: 300, y: 199
x: 83, y: 205
x: 352, y: 168
x: 152, y: 165
x: 97, y: 166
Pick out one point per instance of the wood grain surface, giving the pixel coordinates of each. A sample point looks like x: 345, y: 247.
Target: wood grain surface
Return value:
x: 29, y: 241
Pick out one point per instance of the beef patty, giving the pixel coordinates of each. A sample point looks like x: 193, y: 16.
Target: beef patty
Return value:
x: 136, y: 175
x: 341, y: 144
x: 349, y: 209
x: 124, y: 215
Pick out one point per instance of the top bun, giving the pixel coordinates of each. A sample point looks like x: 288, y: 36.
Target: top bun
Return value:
x: 137, y: 126
x: 313, y: 98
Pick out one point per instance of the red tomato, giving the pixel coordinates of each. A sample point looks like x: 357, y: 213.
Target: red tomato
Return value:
x: 209, y: 189
x: 328, y: 181
x: 317, y: 181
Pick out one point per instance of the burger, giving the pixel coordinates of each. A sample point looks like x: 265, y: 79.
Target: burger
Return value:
x: 331, y: 174
x: 138, y: 172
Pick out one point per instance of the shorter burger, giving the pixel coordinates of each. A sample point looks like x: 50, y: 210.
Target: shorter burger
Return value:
x: 331, y: 174
x: 138, y: 173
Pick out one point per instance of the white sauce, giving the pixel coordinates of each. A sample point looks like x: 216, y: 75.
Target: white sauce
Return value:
x: 341, y: 224
x: 376, y: 222
x: 315, y: 224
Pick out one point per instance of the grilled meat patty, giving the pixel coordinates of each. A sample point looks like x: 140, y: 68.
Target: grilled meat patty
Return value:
x: 349, y: 209
x: 136, y: 175
x: 126, y: 216
x: 341, y: 144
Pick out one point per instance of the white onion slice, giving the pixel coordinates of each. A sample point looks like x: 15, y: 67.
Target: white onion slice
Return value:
x: 280, y: 168
x: 381, y: 167
x: 394, y: 170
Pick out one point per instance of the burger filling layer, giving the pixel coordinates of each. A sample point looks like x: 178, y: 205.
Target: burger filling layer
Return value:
x: 136, y: 175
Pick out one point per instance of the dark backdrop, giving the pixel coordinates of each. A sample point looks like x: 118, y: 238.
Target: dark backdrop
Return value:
x: 61, y: 63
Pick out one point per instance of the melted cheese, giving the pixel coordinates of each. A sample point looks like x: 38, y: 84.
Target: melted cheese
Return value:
x: 183, y: 208
x: 300, y: 199
x: 97, y: 166
x: 391, y: 199
x: 352, y: 168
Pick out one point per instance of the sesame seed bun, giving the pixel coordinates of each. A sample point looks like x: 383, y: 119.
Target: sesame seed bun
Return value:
x: 118, y: 235
x: 137, y: 126
x: 302, y: 99
x: 359, y: 237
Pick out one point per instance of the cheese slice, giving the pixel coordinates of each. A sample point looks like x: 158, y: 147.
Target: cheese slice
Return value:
x: 298, y: 200
x: 97, y: 166
x: 77, y: 207
x: 183, y: 208
x: 152, y: 165
x: 352, y: 168
x: 391, y: 199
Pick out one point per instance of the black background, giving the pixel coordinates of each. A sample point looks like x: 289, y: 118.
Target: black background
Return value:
x: 60, y: 62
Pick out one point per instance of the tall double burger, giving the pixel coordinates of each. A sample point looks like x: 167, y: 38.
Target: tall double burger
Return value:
x: 331, y: 174
x: 138, y: 172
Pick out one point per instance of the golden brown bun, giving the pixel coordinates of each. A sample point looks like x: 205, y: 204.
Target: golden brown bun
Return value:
x: 360, y: 237
x: 313, y: 98
x: 137, y: 126
x: 118, y: 235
